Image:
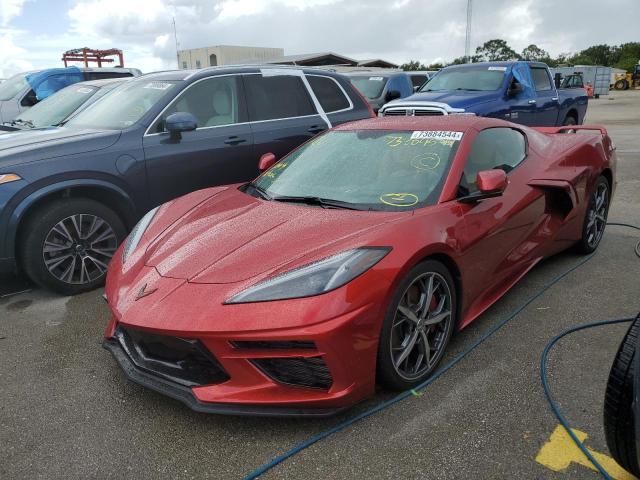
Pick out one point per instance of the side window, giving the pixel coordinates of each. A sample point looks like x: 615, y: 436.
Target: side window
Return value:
x: 541, y: 79
x: 328, y: 93
x: 198, y: 64
x: 418, y: 80
x: 502, y: 148
x: 275, y: 97
x: 214, y: 102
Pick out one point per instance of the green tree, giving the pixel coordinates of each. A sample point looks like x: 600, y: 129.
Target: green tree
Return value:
x: 596, y: 55
x: 629, y: 56
x: 435, y: 66
x: 535, y: 54
x: 496, y: 50
x: 413, y: 65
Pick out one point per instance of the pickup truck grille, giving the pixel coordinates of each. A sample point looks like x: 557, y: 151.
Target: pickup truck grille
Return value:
x: 413, y: 112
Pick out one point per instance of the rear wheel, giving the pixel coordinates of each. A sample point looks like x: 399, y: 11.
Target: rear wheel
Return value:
x: 619, y: 425
x: 67, y: 245
x: 621, y: 85
x: 569, y: 120
x: 417, y: 327
x: 595, y: 220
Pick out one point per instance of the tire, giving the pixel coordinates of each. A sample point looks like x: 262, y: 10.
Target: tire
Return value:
x: 619, y: 425
x: 569, y: 120
x: 399, y: 329
x: 621, y: 85
x: 587, y: 244
x: 56, y: 257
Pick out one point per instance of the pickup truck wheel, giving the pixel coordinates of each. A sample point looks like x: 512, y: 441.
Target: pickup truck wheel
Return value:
x: 67, y: 244
x: 569, y: 120
x: 619, y: 425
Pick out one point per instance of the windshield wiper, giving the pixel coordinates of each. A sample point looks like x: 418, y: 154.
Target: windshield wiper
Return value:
x: 323, y: 202
x: 26, y: 123
x: 259, y: 191
x: 469, y: 89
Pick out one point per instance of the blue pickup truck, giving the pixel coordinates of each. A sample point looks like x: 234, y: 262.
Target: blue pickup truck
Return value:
x: 521, y: 92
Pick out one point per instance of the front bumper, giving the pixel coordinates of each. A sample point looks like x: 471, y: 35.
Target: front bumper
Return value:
x: 186, y: 396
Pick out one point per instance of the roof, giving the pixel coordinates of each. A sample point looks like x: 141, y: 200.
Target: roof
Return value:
x: 426, y: 123
x: 314, y: 59
x: 377, y: 62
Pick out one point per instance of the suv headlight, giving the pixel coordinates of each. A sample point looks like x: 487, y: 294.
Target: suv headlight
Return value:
x: 316, y: 278
x: 136, y: 234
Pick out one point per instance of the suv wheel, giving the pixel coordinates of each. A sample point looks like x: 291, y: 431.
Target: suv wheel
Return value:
x: 67, y: 245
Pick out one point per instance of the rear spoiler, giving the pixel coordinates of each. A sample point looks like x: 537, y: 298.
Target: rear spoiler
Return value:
x: 564, y: 128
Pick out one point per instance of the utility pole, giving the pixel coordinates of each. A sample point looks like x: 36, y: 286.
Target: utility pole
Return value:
x: 175, y: 36
x: 467, y: 40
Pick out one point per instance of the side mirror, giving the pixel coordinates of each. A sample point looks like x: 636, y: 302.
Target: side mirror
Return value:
x: 491, y: 183
x: 392, y: 95
x: 179, y: 122
x: 515, y: 89
x: 416, y: 88
x: 29, y: 100
x: 266, y: 161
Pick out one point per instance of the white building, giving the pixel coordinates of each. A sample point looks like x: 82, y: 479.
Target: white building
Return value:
x: 226, y: 55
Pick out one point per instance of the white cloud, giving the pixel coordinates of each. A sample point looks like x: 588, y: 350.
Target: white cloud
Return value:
x: 10, y: 9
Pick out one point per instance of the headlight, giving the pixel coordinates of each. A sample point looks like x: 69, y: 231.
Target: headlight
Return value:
x: 316, y: 278
x: 9, y: 177
x: 136, y: 234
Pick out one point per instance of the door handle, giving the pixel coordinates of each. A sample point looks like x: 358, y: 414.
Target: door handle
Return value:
x: 532, y: 102
x: 316, y: 129
x: 234, y: 140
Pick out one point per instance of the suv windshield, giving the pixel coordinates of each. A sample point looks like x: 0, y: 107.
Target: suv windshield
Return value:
x: 54, y: 109
x: 370, y: 86
x: 124, y: 106
x: 368, y: 169
x: 466, y: 78
x: 12, y: 86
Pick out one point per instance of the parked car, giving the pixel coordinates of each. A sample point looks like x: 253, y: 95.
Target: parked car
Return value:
x: 24, y: 90
x: 350, y: 262
x: 522, y: 92
x: 68, y: 195
x: 622, y: 403
x: 59, y: 107
x: 418, y: 78
x: 381, y: 87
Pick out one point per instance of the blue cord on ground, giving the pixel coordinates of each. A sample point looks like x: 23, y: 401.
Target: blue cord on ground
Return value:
x: 415, y: 391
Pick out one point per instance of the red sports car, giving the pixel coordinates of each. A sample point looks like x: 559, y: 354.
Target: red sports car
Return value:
x: 349, y: 262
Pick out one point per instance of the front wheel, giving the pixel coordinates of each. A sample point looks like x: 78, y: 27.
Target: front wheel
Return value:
x: 417, y: 326
x: 595, y: 219
x: 67, y: 245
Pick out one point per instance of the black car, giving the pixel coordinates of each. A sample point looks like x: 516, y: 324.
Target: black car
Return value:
x: 622, y: 403
x: 68, y: 195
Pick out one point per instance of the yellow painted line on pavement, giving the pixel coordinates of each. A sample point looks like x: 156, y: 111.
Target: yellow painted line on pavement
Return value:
x: 560, y: 452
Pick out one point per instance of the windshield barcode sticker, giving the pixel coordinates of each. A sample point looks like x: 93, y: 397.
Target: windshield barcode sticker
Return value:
x: 497, y: 69
x: 376, y: 79
x: 436, y: 135
x: 84, y: 90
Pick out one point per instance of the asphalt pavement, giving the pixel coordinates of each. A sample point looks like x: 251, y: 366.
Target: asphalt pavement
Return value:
x: 67, y: 411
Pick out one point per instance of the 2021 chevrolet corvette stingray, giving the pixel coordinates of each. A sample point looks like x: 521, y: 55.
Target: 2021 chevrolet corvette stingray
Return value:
x: 349, y: 262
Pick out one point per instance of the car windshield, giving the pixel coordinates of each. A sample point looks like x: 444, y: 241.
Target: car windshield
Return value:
x: 466, y: 78
x: 12, y: 86
x: 370, y: 86
x: 364, y: 169
x: 54, y: 109
x: 124, y: 106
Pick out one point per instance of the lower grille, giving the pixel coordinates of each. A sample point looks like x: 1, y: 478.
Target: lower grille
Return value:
x: 180, y: 360
x: 274, y: 345
x: 302, y: 372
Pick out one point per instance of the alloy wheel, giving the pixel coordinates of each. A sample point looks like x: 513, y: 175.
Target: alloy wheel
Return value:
x: 420, y: 326
x: 597, y: 215
x: 78, y: 249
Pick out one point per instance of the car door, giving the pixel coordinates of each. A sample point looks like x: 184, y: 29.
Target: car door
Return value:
x: 547, y: 105
x: 218, y: 152
x: 519, y: 108
x: 282, y: 113
x: 498, y: 242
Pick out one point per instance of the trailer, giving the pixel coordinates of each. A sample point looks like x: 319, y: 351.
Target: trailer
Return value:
x: 597, y: 76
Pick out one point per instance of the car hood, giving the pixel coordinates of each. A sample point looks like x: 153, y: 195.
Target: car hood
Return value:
x: 453, y: 98
x: 232, y: 237
x: 39, y: 144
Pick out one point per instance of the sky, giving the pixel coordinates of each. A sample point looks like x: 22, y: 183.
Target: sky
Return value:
x: 34, y: 33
